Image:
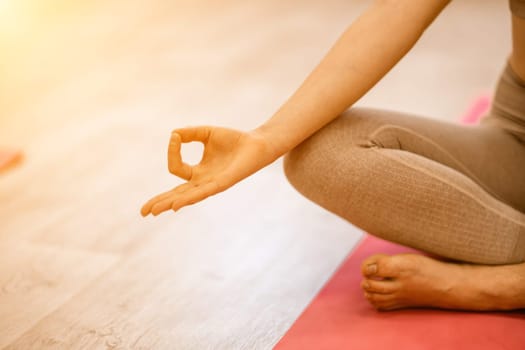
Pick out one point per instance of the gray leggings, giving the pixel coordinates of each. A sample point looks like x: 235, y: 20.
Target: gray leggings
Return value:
x: 452, y: 190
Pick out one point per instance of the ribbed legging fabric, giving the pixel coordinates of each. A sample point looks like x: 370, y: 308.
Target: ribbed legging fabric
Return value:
x: 452, y: 190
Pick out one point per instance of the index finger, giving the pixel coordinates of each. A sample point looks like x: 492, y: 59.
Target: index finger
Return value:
x: 190, y: 134
x: 175, y: 164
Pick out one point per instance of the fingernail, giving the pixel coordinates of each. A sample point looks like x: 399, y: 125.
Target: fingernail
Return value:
x: 371, y: 269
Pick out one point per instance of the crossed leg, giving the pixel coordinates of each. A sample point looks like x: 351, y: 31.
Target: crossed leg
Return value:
x: 451, y: 190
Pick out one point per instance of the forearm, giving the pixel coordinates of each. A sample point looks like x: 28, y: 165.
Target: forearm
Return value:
x: 365, y: 52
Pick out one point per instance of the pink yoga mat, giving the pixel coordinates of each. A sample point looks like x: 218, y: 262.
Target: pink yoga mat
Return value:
x: 340, y: 317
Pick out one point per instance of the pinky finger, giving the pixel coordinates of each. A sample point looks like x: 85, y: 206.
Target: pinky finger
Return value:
x: 194, y: 196
x: 162, y: 206
x: 146, y: 208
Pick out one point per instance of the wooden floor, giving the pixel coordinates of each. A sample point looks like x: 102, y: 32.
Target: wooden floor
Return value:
x: 91, y: 89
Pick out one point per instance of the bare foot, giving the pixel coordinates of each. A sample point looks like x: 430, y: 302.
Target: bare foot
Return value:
x: 411, y: 280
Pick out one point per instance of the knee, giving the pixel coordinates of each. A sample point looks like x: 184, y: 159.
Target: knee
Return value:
x: 321, y: 152
x: 311, y: 156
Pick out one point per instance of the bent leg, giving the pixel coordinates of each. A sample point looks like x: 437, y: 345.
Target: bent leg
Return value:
x: 451, y: 190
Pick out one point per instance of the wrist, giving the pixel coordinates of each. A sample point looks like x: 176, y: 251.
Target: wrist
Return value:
x: 273, y: 143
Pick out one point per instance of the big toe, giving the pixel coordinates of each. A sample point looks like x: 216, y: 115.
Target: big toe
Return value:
x: 379, y: 265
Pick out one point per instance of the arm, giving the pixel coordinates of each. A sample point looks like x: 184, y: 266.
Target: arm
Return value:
x: 365, y: 52
x: 370, y: 47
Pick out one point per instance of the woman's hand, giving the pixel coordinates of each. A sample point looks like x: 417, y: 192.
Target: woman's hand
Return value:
x: 229, y: 156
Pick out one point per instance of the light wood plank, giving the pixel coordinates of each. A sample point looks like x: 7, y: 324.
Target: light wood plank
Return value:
x: 37, y: 279
x: 75, y: 195
x: 209, y: 280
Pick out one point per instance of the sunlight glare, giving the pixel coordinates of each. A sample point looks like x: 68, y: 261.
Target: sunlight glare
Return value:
x: 4, y: 5
x: 6, y: 13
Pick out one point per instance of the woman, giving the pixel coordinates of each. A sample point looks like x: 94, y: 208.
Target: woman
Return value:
x: 450, y: 190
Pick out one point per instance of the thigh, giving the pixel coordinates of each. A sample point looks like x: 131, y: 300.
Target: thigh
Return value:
x: 488, y: 155
x: 420, y: 182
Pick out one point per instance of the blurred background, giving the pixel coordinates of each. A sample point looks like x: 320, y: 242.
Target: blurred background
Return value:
x: 90, y: 91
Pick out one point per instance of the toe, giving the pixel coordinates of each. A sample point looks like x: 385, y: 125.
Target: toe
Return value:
x: 369, y: 265
x: 380, y: 286
x: 380, y: 301
x: 389, y: 306
x: 378, y: 265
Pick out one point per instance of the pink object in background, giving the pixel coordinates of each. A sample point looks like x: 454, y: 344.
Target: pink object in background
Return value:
x: 9, y: 158
x: 480, y: 106
x: 340, y: 317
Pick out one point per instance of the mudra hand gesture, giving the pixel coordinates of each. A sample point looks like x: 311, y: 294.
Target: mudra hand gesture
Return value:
x: 229, y: 156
